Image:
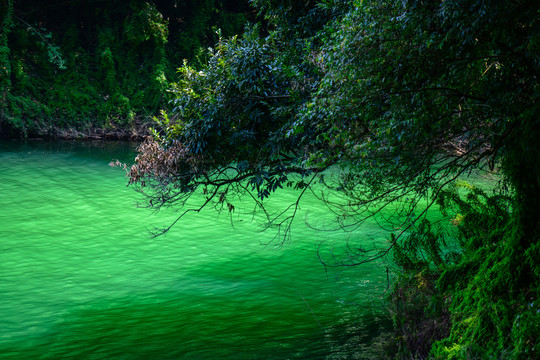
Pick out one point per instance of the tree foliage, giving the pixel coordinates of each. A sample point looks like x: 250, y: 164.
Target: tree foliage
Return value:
x: 98, y: 65
x: 404, y: 97
x: 381, y: 102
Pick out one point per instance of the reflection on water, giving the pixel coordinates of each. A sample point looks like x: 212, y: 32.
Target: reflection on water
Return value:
x: 80, y: 278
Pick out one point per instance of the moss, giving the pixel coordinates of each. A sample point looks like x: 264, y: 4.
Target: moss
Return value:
x: 482, y: 295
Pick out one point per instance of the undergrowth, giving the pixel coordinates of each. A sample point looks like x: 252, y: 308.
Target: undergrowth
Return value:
x: 461, y: 292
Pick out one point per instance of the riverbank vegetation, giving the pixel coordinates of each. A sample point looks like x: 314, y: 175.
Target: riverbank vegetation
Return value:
x: 101, y: 68
x: 385, y: 105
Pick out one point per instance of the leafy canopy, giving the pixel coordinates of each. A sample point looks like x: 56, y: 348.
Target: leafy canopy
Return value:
x: 402, y: 97
x: 379, y: 103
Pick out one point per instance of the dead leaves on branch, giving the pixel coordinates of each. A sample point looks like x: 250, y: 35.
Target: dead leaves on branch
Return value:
x: 163, y: 163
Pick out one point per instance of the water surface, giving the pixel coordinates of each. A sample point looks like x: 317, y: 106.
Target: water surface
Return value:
x: 80, y: 278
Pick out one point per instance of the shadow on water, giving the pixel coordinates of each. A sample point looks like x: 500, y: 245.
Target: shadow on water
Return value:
x: 105, y: 150
x: 80, y: 280
x: 164, y: 330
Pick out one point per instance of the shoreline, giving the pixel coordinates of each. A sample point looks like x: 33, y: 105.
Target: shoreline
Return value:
x: 136, y: 132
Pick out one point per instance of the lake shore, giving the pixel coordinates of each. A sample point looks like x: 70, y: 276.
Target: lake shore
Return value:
x: 136, y: 131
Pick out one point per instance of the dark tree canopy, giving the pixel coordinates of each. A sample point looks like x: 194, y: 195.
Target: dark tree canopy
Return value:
x: 379, y: 102
x: 404, y: 97
x: 87, y: 65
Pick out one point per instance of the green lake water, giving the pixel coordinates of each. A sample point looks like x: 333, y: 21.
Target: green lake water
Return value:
x: 80, y: 278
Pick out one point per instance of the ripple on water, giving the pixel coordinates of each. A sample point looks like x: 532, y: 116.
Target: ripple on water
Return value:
x: 80, y: 278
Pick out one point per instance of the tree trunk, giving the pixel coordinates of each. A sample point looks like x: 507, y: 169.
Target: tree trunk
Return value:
x: 522, y: 166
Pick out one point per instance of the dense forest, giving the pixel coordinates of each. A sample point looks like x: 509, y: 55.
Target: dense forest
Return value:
x: 378, y: 102
x: 100, y: 68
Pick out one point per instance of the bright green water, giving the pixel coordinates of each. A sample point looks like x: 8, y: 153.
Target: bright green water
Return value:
x: 81, y: 279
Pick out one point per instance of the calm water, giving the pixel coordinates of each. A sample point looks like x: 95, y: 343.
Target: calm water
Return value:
x: 81, y: 279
